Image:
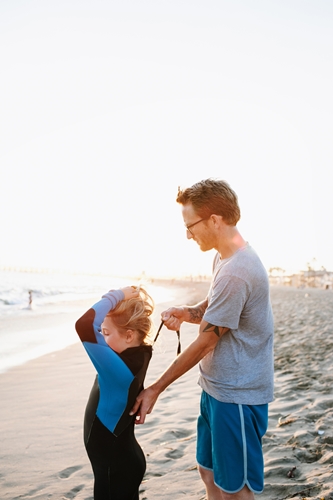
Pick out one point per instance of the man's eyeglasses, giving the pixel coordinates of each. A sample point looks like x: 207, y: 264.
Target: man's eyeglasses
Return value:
x: 188, y: 228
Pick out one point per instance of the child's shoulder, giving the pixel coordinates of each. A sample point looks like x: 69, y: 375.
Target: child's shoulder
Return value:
x: 137, y: 357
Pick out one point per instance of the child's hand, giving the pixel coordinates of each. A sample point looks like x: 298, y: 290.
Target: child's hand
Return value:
x: 130, y: 292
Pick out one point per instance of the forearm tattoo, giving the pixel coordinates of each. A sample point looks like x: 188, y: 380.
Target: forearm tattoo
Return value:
x: 196, y: 312
x: 218, y: 330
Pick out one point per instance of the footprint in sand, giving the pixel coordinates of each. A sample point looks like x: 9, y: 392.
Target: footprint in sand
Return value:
x: 327, y: 404
x: 327, y: 440
x: 178, y: 434
x: 174, y: 454
x: 152, y: 474
x: 73, y: 492
x: 308, y: 456
x: 66, y: 473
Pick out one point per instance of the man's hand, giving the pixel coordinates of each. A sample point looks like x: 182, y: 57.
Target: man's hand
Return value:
x: 144, y: 404
x: 173, y: 317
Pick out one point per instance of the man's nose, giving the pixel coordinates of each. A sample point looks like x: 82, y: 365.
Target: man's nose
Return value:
x: 189, y: 235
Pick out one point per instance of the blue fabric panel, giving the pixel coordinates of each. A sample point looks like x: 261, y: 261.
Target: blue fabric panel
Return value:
x: 114, y: 378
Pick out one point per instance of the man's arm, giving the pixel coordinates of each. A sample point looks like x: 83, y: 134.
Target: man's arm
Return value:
x: 205, y: 342
x: 174, y: 316
x: 195, y: 313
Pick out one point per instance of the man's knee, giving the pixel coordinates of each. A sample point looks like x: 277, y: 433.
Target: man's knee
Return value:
x: 206, y: 475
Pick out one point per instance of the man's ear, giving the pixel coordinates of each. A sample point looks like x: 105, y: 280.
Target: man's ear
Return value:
x: 216, y: 219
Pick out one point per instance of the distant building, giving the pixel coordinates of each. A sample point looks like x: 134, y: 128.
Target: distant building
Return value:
x: 310, y: 278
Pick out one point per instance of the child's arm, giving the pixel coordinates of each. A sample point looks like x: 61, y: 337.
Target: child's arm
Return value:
x: 88, y: 326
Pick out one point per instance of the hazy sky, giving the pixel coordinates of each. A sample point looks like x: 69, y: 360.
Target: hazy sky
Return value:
x: 108, y: 106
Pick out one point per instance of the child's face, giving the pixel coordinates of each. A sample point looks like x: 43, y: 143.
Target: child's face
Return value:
x: 112, y: 337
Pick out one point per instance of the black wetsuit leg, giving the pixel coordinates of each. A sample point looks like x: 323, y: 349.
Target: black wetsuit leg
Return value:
x: 118, y: 463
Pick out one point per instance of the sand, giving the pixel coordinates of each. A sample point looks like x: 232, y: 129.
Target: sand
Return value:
x: 43, y: 401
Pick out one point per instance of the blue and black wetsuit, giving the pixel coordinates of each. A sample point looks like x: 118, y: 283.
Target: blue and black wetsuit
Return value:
x: 116, y: 457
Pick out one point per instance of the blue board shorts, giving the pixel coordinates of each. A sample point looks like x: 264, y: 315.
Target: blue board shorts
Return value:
x: 229, y: 443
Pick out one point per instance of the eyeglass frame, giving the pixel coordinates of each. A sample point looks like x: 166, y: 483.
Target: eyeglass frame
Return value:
x: 194, y: 223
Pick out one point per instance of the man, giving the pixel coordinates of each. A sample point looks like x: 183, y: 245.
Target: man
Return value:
x: 234, y: 347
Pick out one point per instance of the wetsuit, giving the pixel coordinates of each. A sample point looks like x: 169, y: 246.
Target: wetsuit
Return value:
x: 116, y: 457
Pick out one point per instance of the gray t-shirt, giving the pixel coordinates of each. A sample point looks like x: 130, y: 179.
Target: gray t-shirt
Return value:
x: 240, y: 368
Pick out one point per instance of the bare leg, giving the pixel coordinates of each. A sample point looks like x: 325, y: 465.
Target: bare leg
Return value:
x: 213, y: 492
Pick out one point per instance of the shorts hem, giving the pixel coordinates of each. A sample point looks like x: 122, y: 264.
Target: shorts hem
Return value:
x: 204, y: 467
x: 245, y: 483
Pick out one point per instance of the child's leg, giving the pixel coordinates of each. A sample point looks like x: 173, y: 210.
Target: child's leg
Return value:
x: 127, y: 470
x: 118, y: 463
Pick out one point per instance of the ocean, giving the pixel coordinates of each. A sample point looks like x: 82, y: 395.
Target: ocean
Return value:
x: 29, y: 330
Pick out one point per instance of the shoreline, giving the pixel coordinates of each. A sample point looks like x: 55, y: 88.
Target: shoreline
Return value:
x: 50, y: 327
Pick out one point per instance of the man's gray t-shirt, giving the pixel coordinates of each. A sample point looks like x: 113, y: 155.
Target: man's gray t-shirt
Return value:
x: 240, y: 368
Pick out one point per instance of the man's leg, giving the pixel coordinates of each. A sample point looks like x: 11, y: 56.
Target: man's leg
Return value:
x: 229, y: 447
x: 213, y: 492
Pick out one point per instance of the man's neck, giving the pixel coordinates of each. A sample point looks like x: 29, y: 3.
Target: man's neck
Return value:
x: 230, y: 242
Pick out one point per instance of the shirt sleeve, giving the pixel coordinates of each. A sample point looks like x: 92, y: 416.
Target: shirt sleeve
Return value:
x: 226, y: 302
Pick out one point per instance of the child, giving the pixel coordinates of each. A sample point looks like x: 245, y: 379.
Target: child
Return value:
x: 114, y: 332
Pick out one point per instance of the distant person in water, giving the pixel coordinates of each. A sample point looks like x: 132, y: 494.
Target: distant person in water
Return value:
x: 234, y: 347
x: 30, y: 299
x: 114, y: 333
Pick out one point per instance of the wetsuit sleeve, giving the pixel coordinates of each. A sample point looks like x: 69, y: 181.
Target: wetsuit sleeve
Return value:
x: 88, y: 326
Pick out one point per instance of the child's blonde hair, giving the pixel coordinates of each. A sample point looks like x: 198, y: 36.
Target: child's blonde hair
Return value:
x: 134, y: 314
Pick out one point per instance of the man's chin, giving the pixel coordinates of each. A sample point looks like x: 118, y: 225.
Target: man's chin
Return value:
x: 203, y: 248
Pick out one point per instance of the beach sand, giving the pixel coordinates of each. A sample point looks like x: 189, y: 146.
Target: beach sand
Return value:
x: 43, y: 401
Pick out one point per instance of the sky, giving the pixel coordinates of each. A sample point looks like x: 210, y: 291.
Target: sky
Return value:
x: 108, y: 106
